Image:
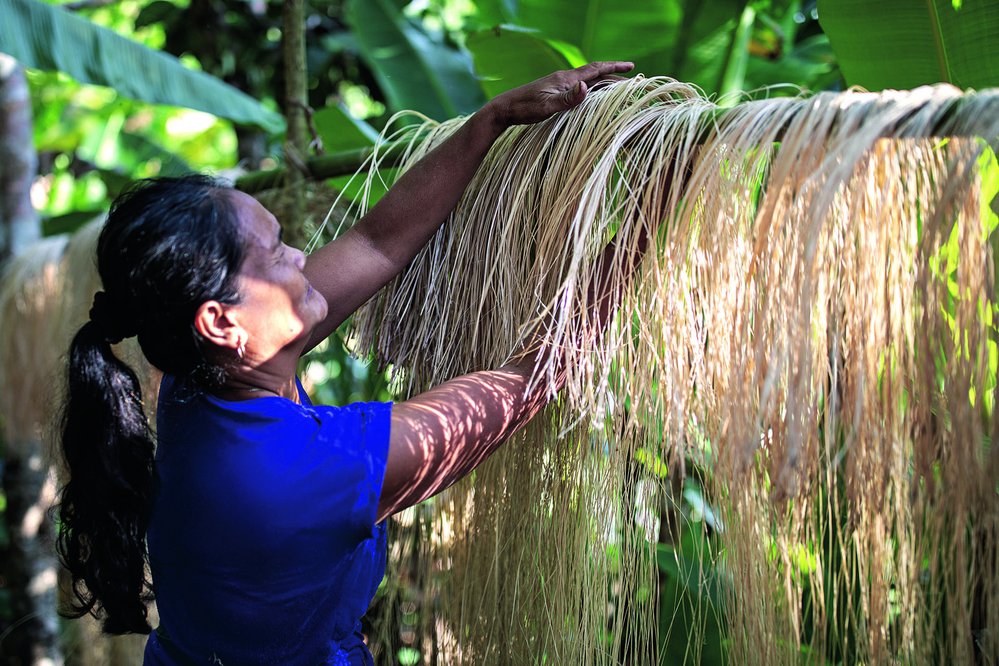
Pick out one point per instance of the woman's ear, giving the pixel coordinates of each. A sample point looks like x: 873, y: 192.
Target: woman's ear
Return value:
x: 214, y: 323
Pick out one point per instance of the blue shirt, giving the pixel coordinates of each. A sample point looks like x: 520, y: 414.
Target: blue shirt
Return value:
x: 262, y: 542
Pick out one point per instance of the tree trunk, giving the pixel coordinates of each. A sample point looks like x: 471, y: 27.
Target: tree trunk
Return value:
x: 19, y: 225
x: 29, y: 629
x: 295, y: 105
x: 251, y: 147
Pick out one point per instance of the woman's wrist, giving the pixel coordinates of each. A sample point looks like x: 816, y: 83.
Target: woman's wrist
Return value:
x: 493, y: 119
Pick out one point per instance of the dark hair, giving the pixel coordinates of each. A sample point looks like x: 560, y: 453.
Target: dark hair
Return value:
x: 169, y: 245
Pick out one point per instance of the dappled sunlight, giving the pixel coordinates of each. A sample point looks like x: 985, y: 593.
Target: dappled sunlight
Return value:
x: 442, y: 434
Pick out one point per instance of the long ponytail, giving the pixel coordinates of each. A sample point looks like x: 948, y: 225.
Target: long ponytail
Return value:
x: 104, y: 509
x: 169, y: 245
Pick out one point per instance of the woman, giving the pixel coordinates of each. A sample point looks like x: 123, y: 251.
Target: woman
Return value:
x: 265, y: 528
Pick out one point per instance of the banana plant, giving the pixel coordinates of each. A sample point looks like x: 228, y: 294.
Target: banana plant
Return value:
x: 415, y: 69
x: 723, y: 46
x: 904, y: 44
x: 47, y: 37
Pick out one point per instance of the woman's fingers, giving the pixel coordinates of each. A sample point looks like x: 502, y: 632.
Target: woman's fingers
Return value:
x: 556, y: 92
x: 592, y: 76
x: 596, y: 70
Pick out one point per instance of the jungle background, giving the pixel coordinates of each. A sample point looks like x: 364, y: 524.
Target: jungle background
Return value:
x: 95, y: 93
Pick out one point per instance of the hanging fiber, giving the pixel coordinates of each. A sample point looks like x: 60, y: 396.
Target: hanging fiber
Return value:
x: 809, y: 336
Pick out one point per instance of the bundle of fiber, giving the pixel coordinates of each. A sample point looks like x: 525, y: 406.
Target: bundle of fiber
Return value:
x: 45, y: 296
x: 810, y: 331
x: 29, y: 289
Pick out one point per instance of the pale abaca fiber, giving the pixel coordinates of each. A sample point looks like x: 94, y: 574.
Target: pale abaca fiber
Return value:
x: 45, y: 296
x: 810, y: 331
x: 30, y: 285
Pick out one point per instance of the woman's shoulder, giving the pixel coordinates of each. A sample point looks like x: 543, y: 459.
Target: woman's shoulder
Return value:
x: 180, y: 402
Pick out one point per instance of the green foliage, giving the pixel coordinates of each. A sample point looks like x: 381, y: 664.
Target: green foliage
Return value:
x: 334, y: 377
x: 904, y: 44
x: 414, y: 70
x: 341, y: 131
x: 93, y: 139
x: 91, y: 142
x: 691, y: 580
x: 723, y: 47
x: 536, y: 57
x: 50, y: 38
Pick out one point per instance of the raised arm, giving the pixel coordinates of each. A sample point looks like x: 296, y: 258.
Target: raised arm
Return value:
x: 349, y: 270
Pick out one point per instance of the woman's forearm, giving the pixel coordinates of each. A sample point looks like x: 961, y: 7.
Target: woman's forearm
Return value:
x: 441, y: 435
x: 351, y: 269
x: 411, y: 212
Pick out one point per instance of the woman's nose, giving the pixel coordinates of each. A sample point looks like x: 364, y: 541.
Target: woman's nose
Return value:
x: 299, y: 259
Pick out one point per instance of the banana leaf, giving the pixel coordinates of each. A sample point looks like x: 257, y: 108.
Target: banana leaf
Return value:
x: 415, y: 70
x: 903, y: 44
x: 535, y: 57
x: 50, y: 38
x: 691, y: 40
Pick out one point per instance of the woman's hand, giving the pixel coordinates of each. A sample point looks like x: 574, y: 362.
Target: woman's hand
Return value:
x: 535, y: 101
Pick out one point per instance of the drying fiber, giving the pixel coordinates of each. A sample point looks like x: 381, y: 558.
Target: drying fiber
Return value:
x: 785, y: 429
x: 45, y: 296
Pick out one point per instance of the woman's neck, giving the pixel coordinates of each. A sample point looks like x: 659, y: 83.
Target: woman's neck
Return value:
x: 247, y: 383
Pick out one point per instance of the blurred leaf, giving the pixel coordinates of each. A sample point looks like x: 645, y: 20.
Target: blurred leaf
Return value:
x: 334, y: 377
x: 496, y: 12
x: 713, y: 45
x: 492, y: 49
x: 698, y: 507
x: 644, y: 31
x: 413, y: 70
x: 692, y: 564
x: 690, y: 609
x: 134, y: 149
x: 69, y: 222
x: 69, y: 193
x: 341, y: 131
x: 114, y: 182
x: 989, y: 172
x: 904, y: 44
x: 810, y: 64
x: 569, y: 51
x: 732, y: 76
x: 47, y: 37
x: 353, y: 188
x: 652, y: 462
x: 691, y: 40
x: 154, y: 12
x: 341, y: 41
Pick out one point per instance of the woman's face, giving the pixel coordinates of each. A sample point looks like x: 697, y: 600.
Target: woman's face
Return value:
x: 278, y: 306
